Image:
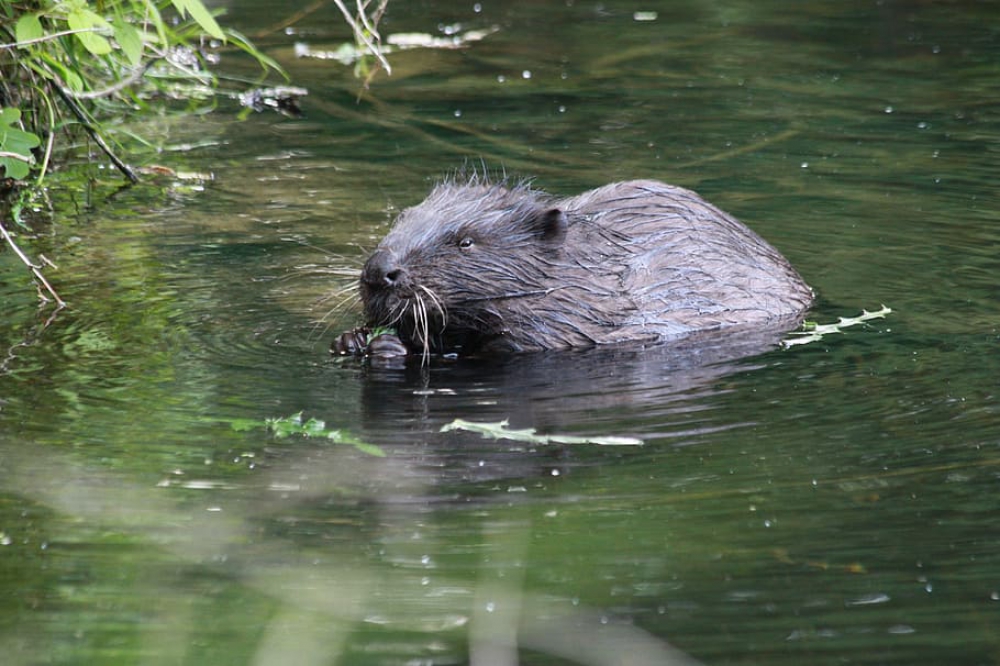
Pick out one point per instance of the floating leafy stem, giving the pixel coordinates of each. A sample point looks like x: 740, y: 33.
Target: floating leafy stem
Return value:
x: 500, y: 430
x: 813, y: 332
x: 283, y: 427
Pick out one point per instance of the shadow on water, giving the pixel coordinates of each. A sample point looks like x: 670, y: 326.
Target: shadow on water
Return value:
x: 602, y: 390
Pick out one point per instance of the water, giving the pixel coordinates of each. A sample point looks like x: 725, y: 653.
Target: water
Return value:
x: 833, y: 503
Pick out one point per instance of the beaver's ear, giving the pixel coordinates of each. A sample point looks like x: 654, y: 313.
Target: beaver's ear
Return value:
x: 550, y: 225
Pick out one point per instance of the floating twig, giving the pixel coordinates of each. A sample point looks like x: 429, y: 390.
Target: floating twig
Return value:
x: 501, y: 431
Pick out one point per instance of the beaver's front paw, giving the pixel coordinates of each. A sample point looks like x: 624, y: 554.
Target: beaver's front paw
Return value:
x: 363, y: 341
x: 351, y: 343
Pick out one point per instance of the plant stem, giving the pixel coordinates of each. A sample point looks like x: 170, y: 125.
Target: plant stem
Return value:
x: 35, y: 269
x: 94, y: 134
x: 358, y: 24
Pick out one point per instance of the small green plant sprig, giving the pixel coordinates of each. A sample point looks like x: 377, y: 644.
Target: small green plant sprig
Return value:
x: 813, y: 332
x: 16, y: 145
x: 287, y: 426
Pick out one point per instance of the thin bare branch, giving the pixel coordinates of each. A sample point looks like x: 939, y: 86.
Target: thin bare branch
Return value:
x: 358, y: 24
x: 36, y: 269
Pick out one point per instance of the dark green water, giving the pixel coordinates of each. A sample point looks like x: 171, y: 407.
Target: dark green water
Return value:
x: 835, y: 503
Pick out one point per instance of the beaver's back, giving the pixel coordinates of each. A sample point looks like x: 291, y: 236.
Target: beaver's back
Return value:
x: 677, y: 262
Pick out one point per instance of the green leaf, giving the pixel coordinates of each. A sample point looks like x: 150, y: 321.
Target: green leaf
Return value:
x: 14, y: 168
x: 17, y: 141
x: 130, y: 41
x: 84, y: 19
x: 201, y: 16
x: 28, y: 28
x: 153, y: 15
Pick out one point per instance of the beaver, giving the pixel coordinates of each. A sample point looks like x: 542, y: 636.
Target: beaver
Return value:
x: 483, y: 266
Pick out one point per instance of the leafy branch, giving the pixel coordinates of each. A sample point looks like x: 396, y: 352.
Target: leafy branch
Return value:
x: 63, y: 56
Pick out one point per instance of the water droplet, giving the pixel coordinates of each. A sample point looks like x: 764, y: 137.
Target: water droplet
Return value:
x: 490, y: 607
x: 458, y: 113
x: 889, y: 109
x: 501, y: 78
x: 805, y: 165
x: 526, y: 74
x: 477, y: 8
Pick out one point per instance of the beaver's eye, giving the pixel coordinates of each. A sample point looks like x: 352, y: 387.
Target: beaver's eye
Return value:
x: 466, y: 243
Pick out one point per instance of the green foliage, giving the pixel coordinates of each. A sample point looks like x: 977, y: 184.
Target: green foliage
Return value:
x: 73, y: 63
x: 15, y: 145
x: 197, y: 11
x: 377, y: 331
x: 287, y: 426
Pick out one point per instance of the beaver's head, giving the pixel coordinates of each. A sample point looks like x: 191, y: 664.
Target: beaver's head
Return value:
x: 462, y: 268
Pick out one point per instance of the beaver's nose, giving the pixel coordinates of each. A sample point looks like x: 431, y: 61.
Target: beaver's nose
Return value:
x: 381, y: 270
